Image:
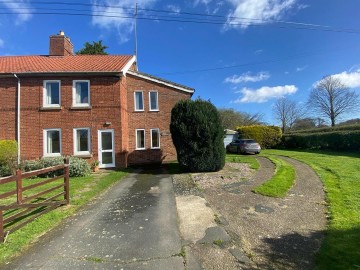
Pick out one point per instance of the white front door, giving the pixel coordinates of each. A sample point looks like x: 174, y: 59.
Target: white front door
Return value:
x: 106, y: 148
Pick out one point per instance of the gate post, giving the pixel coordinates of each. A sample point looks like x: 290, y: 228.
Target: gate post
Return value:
x: 66, y: 180
x: 19, y: 186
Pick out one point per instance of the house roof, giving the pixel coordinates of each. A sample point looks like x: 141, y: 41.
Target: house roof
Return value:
x: 161, y: 81
x: 65, y: 64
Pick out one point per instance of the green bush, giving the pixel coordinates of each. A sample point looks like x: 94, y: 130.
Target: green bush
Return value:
x: 197, y: 134
x: 8, y: 157
x: 78, y: 166
x: 327, y: 129
x: 337, y: 140
x: 266, y: 136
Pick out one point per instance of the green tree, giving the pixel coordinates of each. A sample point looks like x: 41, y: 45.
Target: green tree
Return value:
x: 198, y: 135
x: 95, y: 48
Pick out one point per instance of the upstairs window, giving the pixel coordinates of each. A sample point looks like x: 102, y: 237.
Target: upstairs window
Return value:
x: 153, y: 100
x: 140, y: 139
x: 81, y: 93
x: 82, y: 141
x: 155, y: 138
x: 139, y: 101
x: 52, y: 142
x: 51, y: 94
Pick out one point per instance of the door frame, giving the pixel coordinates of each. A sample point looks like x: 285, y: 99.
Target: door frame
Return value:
x: 100, y: 151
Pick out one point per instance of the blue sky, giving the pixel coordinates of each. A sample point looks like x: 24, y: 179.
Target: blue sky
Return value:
x: 241, y: 54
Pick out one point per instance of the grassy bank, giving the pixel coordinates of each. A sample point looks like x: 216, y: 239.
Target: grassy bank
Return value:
x: 340, y: 175
x: 82, y: 190
x: 282, y: 180
x: 249, y: 159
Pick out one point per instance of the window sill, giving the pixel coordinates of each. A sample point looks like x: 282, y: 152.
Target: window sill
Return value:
x: 80, y: 107
x: 139, y: 111
x: 83, y: 155
x: 154, y: 110
x: 140, y: 149
x: 52, y: 155
x: 59, y: 108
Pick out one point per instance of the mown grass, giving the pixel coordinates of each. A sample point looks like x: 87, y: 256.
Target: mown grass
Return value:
x: 282, y: 180
x: 249, y: 159
x: 82, y: 190
x: 339, y: 173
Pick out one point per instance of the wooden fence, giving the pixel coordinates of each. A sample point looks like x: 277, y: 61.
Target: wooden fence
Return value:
x: 23, y: 208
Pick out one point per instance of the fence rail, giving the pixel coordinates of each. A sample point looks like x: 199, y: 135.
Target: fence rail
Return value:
x: 27, y: 207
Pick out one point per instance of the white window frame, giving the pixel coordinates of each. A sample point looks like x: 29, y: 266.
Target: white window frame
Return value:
x: 136, y: 141
x: 45, y: 137
x: 45, y: 92
x: 142, y: 95
x: 157, y: 101
x: 79, y: 153
x: 74, y: 104
x: 151, y: 138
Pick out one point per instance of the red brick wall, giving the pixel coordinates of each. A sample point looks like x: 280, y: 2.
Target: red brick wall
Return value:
x: 105, y: 101
x: 167, y: 98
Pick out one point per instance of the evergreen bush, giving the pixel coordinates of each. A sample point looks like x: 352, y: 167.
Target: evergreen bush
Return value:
x: 197, y: 134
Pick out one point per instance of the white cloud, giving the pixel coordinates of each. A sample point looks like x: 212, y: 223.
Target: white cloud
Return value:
x: 265, y: 93
x: 173, y: 8
x: 247, y: 77
x: 298, y: 69
x: 120, y: 17
x: 258, y: 51
x: 248, y: 12
x: 204, y: 2
x: 18, y: 7
x: 350, y: 79
x: 1, y: 43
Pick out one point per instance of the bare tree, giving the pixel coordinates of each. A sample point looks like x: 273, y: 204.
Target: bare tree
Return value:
x: 286, y: 112
x: 331, y: 98
x: 231, y: 118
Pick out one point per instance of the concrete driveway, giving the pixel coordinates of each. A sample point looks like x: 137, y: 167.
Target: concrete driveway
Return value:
x: 132, y: 226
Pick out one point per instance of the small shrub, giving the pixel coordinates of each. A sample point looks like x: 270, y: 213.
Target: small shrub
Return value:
x: 8, y: 157
x: 78, y: 166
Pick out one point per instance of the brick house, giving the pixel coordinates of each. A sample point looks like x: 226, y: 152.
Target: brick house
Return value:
x: 92, y: 106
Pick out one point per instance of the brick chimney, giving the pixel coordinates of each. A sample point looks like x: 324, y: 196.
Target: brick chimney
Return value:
x: 60, y: 45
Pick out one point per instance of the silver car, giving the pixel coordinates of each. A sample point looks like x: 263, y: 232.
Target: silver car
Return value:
x: 243, y: 146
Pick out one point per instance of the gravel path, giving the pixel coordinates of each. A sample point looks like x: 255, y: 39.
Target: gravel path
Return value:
x: 275, y: 233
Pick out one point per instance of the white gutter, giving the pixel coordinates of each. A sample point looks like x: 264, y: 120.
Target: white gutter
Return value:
x: 18, y: 118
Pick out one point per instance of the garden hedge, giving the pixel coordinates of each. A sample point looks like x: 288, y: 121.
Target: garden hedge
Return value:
x: 336, y: 140
x: 266, y: 136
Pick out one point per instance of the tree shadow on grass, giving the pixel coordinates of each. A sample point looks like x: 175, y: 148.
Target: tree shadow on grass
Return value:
x: 290, y: 251
x: 340, y: 249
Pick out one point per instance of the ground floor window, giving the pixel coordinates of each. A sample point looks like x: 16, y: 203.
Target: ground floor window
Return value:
x: 82, y: 141
x: 140, y: 139
x: 52, y: 142
x: 155, y: 138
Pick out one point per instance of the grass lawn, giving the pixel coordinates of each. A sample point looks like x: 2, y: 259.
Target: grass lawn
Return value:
x: 282, y: 180
x: 339, y: 173
x: 82, y: 190
x: 250, y: 159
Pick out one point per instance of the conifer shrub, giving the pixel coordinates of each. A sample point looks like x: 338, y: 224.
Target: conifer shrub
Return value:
x: 197, y: 134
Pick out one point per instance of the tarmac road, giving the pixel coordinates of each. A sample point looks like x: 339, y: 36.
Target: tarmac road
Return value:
x: 132, y: 226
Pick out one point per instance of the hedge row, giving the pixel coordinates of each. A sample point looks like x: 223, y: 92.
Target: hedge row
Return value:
x: 337, y: 140
x: 266, y: 136
x: 78, y: 166
x: 327, y: 129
